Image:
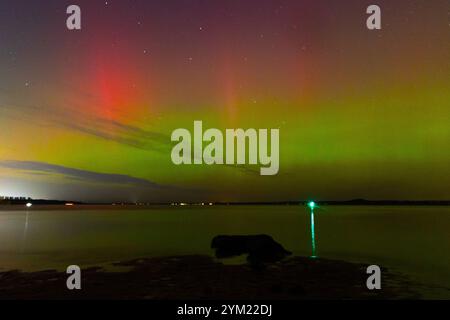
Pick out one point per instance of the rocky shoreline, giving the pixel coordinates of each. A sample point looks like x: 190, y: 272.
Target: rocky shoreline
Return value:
x: 204, y: 278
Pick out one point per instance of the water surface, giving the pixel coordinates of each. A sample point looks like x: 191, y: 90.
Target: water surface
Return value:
x: 414, y: 241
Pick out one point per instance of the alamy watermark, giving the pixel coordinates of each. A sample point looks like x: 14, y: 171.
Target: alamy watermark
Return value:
x: 74, y: 280
x: 374, y: 20
x: 374, y: 280
x: 236, y: 146
x: 73, y: 21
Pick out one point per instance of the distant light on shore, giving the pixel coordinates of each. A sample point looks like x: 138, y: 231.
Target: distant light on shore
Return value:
x: 311, y: 204
x: 29, y: 205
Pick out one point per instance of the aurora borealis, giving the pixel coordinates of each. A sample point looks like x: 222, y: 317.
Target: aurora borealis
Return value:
x: 87, y: 115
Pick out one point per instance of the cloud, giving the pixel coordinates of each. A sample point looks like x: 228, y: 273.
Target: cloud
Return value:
x: 101, y: 128
x: 70, y: 117
x: 77, y: 174
x: 121, y: 133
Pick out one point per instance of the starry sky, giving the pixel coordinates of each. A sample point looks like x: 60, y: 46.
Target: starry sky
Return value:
x: 87, y: 115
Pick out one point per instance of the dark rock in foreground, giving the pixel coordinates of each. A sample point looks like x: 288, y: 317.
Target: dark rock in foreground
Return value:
x: 260, y: 248
x: 200, y: 277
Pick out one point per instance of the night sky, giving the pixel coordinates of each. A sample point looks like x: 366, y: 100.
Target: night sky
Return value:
x: 87, y: 115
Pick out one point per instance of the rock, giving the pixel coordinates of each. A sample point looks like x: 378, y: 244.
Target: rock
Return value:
x: 260, y: 248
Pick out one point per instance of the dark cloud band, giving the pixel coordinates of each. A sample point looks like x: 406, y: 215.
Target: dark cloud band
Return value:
x: 84, y: 175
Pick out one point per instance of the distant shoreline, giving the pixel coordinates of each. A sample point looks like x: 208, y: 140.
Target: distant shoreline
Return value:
x: 358, y: 202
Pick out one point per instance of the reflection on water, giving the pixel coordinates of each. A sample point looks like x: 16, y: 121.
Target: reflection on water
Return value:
x: 25, y: 231
x: 313, y: 235
x: 410, y: 240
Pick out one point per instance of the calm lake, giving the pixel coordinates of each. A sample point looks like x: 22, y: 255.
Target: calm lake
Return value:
x: 413, y: 241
